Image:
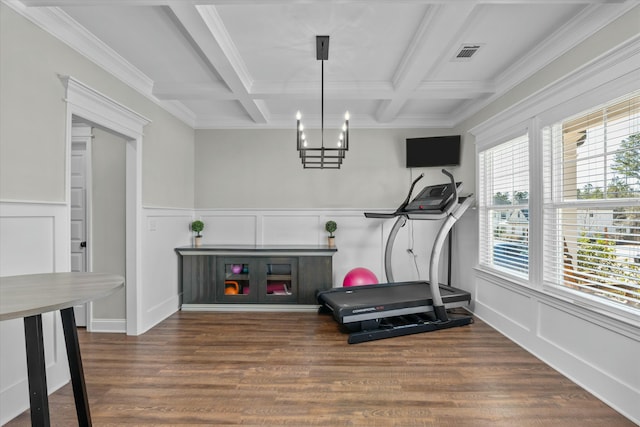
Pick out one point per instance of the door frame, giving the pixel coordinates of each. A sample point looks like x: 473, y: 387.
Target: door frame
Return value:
x: 86, y: 103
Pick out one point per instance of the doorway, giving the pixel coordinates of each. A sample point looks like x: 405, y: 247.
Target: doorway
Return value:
x: 94, y: 108
x: 98, y: 219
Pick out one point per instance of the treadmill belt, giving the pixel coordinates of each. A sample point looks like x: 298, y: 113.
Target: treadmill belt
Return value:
x: 376, y: 301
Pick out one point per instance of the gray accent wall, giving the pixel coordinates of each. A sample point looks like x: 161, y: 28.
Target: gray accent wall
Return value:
x: 261, y: 169
x: 108, y: 245
x: 32, y: 132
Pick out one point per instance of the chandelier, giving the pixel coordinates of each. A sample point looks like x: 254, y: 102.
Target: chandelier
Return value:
x: 322, y: 157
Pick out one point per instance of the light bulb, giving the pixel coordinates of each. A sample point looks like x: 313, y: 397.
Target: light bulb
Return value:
x: 341, y: 136
x: 301, y: 128
x: 344, y: 127
x: 298, y: 115
x: 303, y: 136
x: 340, y: 143
x: 346, y: 115
x: 304, y: 143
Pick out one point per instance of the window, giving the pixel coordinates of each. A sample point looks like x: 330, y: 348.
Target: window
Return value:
x: 504, y: 206
x: 592, y: 202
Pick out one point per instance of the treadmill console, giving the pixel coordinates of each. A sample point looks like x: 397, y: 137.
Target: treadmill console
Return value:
x: 433, y: 198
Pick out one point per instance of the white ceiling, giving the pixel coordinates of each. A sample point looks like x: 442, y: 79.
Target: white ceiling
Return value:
x: 252, y: 63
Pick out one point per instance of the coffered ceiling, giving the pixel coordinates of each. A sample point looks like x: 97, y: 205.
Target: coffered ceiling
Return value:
x: 252, y: 63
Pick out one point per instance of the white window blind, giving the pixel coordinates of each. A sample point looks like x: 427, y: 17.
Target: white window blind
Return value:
x: 592, y: 202
x: 504, y: 206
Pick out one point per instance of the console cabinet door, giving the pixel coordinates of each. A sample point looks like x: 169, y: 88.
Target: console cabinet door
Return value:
x: 238, y: 280
x: 278, y: 280
x: 198, y: 279
x: 315, y: 275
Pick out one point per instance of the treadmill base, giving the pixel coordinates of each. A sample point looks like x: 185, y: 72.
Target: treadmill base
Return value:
x: 403, y: 325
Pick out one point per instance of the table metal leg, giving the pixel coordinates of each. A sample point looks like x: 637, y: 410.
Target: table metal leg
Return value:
x: 36, y: 371
x: 75, y: 366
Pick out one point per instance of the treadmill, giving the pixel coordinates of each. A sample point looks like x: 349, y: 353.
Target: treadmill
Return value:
x: 386, y: 310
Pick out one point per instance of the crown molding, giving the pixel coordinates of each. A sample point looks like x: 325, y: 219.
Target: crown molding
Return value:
x: 60, y: 25
x: 620, y: 64
x: 591, y: 19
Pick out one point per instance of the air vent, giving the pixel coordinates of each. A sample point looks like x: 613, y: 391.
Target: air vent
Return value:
x: 466, y: 51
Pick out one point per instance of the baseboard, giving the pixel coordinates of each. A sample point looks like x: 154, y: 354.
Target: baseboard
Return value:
x: 108, y: 325
x: 290, y: 308
x: 160, y: 312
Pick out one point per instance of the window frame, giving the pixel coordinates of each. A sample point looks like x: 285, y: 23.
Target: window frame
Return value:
x: 551, y: 105
x: 486, y: 208
x: 549, y: 207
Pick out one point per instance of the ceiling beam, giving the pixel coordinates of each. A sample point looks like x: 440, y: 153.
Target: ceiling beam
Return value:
x: 424, y: 53
x: 338, y: 90
x: 206, y: 30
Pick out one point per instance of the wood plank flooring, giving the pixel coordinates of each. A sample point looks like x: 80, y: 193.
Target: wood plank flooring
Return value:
x: 296, y: 369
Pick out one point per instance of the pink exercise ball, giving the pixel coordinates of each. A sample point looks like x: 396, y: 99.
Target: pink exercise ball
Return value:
x: 359, y: 276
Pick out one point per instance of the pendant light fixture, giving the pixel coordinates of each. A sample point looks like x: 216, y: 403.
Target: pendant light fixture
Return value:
x: 323, y: 157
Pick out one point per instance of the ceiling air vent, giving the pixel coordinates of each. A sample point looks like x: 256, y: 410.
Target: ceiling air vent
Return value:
x: 466, y: 51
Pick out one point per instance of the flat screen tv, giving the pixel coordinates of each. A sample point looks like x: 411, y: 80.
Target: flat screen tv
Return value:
x: 433, y: 151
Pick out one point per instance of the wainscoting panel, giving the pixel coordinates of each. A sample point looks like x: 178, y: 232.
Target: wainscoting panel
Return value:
x: 165, y: 230
x: 515, y: 308
x: 33, y: 239
x: 292, y: 229
x: 228, y: 229
x: 616, y: 355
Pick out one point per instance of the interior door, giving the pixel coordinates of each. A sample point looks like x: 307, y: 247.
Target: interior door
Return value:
x: 80, y: 150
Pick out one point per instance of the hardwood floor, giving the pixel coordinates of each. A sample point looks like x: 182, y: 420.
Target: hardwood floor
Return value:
x: 296, y: 369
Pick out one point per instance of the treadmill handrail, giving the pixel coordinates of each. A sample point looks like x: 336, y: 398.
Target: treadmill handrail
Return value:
x: 406, y: 201
x: 454, y: 200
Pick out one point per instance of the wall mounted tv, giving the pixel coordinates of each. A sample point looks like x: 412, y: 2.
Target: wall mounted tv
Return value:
x: 433, y: 151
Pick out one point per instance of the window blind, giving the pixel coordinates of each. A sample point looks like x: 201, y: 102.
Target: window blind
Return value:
x: 592, y: 202
x: 504, y: 206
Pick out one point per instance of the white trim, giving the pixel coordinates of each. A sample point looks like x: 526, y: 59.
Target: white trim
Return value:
x: 61, y: 26
x: 169, y: 211
x: 583, y: 25
x: 96, y: 108
x: 30, y: 202
x: 621, y: 63
x: 109, y: 325
x: 93, y: 105
x: 535, y: 206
